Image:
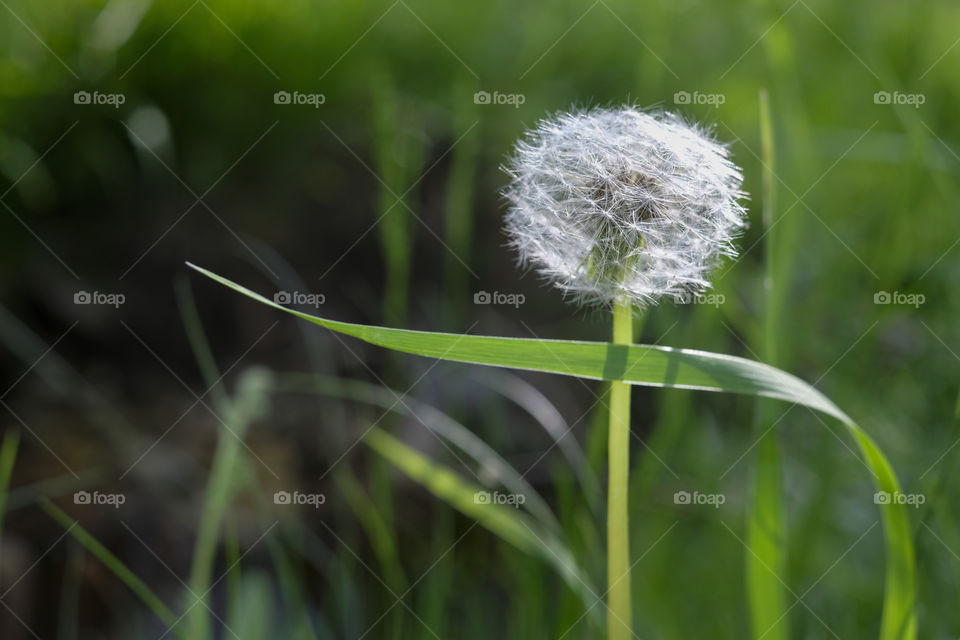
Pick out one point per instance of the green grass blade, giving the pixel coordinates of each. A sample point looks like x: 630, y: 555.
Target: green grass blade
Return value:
x: 252, y: 614
x: 459, y: 201
x: 488, y: 460
x: 766, y: 531
x: 399, y: 156
x: 111, y: 562
x: 899, y: 616
x: 382, y: 538
x: 235, y: 415
x: 529, y: 398
x: 645, y: 365
x: 510, y: 524
x: 656, y: 366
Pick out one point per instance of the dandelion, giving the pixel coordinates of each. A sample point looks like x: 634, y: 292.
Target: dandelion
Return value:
x: 618, y: 205
x: 622, y: 207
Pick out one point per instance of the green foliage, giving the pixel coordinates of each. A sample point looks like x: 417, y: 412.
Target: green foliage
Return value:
x: 658, y: 367
x: 869, y: 192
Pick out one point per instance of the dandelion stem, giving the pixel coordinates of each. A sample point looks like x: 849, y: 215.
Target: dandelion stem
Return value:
x: 767, y: 557
x: 619, y: 623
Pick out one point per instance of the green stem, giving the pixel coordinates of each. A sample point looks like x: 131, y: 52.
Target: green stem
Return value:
x: 766, y: 528
x: 619, y: 622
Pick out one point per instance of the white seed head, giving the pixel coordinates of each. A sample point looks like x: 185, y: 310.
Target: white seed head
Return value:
x: 620, y: 204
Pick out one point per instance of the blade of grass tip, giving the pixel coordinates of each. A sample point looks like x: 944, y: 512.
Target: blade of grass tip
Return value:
x: 286, y: 278
x: 765, y: 557
x: 8, y: 457
x: 111, y: 562
x: 318, y: 347
x: 662, y: 367
x: 508, y: 523
x: 531, y: 400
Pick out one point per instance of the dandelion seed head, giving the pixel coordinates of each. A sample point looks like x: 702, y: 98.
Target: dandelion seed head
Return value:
x: 623, y: 205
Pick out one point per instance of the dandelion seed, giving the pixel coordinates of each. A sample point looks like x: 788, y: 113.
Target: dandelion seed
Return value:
x: 622, y: 205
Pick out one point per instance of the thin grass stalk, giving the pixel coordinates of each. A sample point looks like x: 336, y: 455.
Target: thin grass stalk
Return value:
x: 221, y: 484
x: 766, y: 556
x: 399, y: 156
x: 619, y: 611
x: 459, y: 209
x: 111, y: 562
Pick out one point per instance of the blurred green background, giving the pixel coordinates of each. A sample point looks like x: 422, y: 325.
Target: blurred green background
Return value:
x: 376, y: 186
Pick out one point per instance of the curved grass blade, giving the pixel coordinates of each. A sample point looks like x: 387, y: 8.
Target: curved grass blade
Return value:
x: 656, y: 366
x: 645, y: 365
x: 490, y: 462
x: 531, y: 400
x: 512, y: 525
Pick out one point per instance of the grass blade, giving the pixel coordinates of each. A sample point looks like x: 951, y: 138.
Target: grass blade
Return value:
x: 399, y: 156
x: 227, y: 460
x: 111, y: 562
x: 531, y: 400
x: 506, y: 522
x: 488, y: 460
x: 663, y: 367
x: 645, y: 365
x: 766, y: 539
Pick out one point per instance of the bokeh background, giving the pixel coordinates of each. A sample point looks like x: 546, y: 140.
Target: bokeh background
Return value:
x: 137, y: 135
